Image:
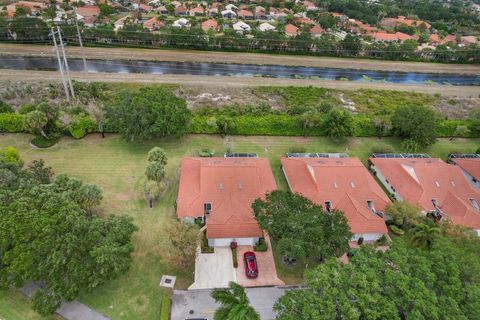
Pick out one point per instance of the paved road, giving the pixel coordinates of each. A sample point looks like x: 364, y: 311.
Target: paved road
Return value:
x: 73, y: 310
x: 194, y: 304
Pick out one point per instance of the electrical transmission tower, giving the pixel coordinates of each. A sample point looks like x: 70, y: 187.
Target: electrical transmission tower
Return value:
x: 80, y: 42
x: 62, y: 63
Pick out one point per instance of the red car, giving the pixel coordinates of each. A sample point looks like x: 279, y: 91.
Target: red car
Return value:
x: 251, y: 267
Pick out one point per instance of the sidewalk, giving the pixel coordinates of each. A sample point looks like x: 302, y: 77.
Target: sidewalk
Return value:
x: 73, y: 310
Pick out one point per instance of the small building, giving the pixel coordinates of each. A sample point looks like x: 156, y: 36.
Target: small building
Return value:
x: 316, y: 31
x: 440, y: 189
x: 181, y: 11
x: 228, y: 14
x: 470, y: 164
x: 266, y: 27
x: 241, y: 27
x: 291, y: 30
x: 340, y: 183
x: 245, y: 15
x: 153, y: 24
x: 181, y: 23
x: 391, y: 23
x: 220, y: 192
x: 197, y: 11
x: 210, y: 24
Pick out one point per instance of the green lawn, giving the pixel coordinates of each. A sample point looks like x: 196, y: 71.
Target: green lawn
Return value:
x: 117, y: 167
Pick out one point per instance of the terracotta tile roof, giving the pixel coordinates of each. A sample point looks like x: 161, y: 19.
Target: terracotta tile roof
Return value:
x: 472, y: 166
x: 418, y: 181
x: 181, y: 9
x: 200, y: 10
x: 244, y: 13
x: 291, y: 30
x: 210, y: 24
x: 230, y: 185
x: 345, y: 182
x: 153, y: 24
x: 88, y: 11
x: 392, y: 22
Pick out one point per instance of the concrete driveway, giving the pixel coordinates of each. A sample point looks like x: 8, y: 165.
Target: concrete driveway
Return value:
x: 197, y: 304
x: 214, y: 270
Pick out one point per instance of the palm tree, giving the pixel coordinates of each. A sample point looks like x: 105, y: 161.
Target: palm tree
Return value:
x: 35, y: 121
x: 424, y: 235
x: 234, y: 304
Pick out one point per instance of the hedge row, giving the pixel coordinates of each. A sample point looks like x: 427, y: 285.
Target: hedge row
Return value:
x: 285, y: 125
x: 268, y: 125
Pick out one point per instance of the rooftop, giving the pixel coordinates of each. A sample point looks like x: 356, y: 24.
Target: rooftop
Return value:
x: 345, y: 183
x: 230, y: 185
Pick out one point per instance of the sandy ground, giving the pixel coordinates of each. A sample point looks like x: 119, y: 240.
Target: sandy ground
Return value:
x: 236, y: 82
x: 241, y: 58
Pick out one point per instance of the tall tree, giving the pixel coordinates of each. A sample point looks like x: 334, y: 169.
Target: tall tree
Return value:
x: 35, y: 121
x: 234, y: 304
x: 423, y: 235
x: 338, y: 124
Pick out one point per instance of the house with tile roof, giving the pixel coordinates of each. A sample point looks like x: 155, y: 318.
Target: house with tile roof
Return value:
x: 344, y: 184
x: 390, y: 23
x: 470, y: 164
x: 291, y: 30
x: 197, y: 11
x: 210, y: 24
x: 220, y: 192
x: 437, y: 187
x: 245, y: 14
x: 153, y: 24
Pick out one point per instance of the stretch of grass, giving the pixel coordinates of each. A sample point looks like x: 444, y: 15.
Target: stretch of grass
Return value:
x: 15, y: 306
x: 118, y: 167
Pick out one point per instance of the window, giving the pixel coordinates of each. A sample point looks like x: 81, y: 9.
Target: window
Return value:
x: 207, y: 207
x: 371, y: 206
x: 328, y: 205
x: 474, y: 204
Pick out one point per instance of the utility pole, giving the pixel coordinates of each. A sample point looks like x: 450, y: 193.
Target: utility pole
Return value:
x: 60, y: 65
x: 85, y: 69
x: 65, y: 61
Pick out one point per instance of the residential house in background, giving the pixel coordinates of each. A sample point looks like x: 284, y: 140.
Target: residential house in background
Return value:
x: 440, y: 189
x: 241, y: 27
x: 266, y: 27
x: 153, y: 24
x: 291, y: 30
x: 210, y: 24
x: 220, y: 192
x: 228, y: 14
x: 341, y: 183
x: 181, y: 23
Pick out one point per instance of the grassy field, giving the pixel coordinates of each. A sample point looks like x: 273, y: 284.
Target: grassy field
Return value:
x: 117, y: 167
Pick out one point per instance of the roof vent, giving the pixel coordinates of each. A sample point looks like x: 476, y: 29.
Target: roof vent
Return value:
x: 474, y: 204
x: 335, y: 185
x: 352, y: 184
x: 240, y: 186
x: 437, y: 184
x: 220, y: 186
x: 452, y: 183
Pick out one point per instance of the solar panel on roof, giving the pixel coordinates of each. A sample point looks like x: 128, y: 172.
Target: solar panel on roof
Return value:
x: 241, y: 155
x: 400, y: 155
x: 317, y: 155
x: 465, y: 155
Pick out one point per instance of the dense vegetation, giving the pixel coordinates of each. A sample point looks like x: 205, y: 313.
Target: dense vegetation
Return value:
x: 434, y: 275
x: 156, y: 111
x: 302, y: 228
x: 50, y: 234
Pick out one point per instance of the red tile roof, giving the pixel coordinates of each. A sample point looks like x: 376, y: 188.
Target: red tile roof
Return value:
x: 244, y: 13
x: 153, y: 24
x: 230, y: 185
x: 88, y: 11
x: 472, y: 166
x: 291, y: 30
x: 210, y: 24
x: 316, y: 30
x: 418, y: 181
x: 345, y: 182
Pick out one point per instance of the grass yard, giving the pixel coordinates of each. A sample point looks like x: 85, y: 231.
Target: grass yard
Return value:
x: 117, y: 168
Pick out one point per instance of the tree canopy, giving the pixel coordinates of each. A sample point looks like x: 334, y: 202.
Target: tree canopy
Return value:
x: 319, y: 234
x: 47, y: 236
x: 404, y: 282
x: 417, y: 123
x: 148, y: 113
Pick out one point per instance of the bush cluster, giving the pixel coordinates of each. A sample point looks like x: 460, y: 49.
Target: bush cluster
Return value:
x: 12, y: 122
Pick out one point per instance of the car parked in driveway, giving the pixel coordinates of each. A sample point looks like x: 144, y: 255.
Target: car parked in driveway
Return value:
x: 251, y: 267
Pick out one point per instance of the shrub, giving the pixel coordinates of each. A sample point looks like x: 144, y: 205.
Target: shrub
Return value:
x: 338, y: 124
x: 10, y: 155
x: 165, y: 313
x: 382, y: 241
x: 478, y: 151
x: 206, y: 153
x: 234, y: 257
x: 80, y: 126
x: 11, y: 122
x: 205, y: 248
x: 383, y: 148
x: 26, y: 108
x: 5, y: 107
x: 261, y: 245
x: 417, y: 123
x: 42, y: 142
x: 396, y: 230
x: 297, y: 149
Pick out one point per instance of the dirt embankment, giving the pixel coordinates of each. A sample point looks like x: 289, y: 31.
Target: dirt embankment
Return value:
x: 239, y: 58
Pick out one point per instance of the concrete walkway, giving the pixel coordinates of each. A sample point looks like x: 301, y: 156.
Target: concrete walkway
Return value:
x: 198, y: 304
x: 73, y: 310
x: 214, y: 270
